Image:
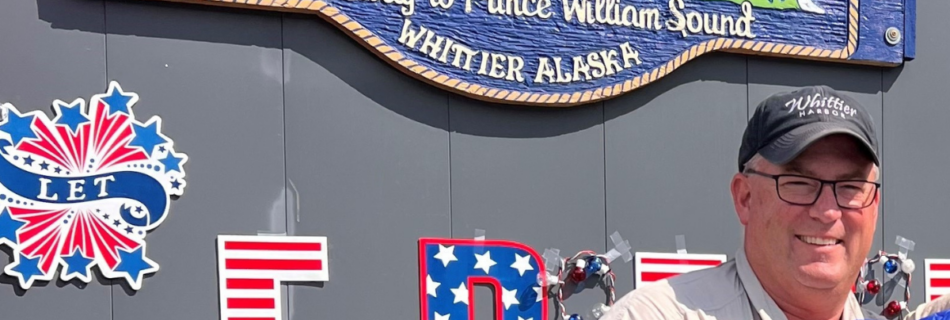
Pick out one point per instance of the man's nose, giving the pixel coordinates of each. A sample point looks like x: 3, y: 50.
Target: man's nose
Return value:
x: 826, y: 207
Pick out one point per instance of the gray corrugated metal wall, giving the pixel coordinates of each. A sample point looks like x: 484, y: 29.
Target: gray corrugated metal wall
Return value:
x: 276, y: 109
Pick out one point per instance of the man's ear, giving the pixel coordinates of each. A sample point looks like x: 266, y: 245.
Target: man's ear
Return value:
x: 741, y: 196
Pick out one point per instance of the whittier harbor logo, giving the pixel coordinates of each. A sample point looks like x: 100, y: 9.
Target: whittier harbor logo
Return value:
x: 82, y: 189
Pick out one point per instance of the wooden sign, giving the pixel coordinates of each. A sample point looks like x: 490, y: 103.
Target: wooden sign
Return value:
x: 571, y: 52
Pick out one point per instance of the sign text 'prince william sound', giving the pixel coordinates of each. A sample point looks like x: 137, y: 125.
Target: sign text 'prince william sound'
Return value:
x: 571, y: 52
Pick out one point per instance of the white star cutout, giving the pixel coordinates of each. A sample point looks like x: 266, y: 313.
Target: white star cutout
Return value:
x: 431, y: 285
x: 446, y: 254
x: 538, y: 291
x: 461, y: 294
x: 522, y: 263
x: 509, y: 297
x: 484, y: 261
x: 445, y: 317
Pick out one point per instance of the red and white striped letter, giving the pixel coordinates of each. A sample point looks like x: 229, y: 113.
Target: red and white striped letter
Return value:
x: 250, y: 269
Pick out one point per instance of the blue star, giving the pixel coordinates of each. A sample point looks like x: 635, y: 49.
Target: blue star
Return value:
x: 135, y: 264
x: 58, y: 170
x: 44, y: 166
x: 138, y: 209
x: 128, y: 229
x: 118, y: 100
x: 116, y: 222
x: 28, y: 161
x: 176, y: 184
x: 172, y: 162
x: 18, y: 126
x: 9, y: 226
x: 147, y: 137
x: 70, y: 115
x: 25, y: 269
x: 77, y: 264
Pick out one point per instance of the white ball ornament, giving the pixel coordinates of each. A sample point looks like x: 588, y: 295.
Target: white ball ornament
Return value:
x: 907, y: 266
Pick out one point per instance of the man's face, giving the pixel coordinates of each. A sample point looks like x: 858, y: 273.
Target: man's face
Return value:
x: 781, y: 238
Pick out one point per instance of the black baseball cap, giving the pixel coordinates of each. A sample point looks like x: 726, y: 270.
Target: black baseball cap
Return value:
x: 786, y: 123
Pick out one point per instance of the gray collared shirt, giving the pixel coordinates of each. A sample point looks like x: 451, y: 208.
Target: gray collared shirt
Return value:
x: 726, y: 292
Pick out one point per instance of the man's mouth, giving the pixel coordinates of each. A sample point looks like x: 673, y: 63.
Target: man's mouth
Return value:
x: 818, y: 241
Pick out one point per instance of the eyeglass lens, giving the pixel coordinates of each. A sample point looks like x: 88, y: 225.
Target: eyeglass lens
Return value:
x: 801, y: 190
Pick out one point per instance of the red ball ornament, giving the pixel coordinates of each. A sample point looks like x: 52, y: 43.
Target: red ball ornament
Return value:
x: 874, y: 287
x: 892, y: 309
x: 578, y: 275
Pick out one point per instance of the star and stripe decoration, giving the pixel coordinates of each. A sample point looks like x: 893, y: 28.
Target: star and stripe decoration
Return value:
x: 936, y: 278
x: 450, y: 268
x: 81, y: 190
x: 252, y: 268
x: 896, y: 268
x: 578, y: 269
x: 587, y: 265
x: 655, y: 266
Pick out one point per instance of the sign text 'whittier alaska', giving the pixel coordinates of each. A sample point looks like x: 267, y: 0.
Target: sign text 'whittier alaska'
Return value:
x: 570, y: 52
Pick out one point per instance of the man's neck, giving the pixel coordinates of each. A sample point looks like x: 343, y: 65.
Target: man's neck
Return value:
x: 818, y: 309
x: 816, y: 305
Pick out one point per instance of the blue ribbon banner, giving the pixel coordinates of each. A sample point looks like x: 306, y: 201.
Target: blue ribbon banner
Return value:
x: 124, y: 184
x: 570, y: 52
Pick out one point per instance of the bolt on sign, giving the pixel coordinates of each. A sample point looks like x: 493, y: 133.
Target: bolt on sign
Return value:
x: 571, y: 52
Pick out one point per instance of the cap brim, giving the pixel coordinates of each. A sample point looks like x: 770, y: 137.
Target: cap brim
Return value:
x: 790, y: 145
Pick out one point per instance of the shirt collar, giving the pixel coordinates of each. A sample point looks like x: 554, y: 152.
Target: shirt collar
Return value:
x: 763, y: 304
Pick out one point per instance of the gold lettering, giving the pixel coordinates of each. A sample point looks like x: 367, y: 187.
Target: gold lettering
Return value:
x: 678, y: 23
x: 694, y: 22
x: 444, y: 4
x: 519, y: 8
x: 610, y: 61
x: 409, y: 37
x: 611, y: 12
x: 545, y: 70
x: 579, y: 68
x: 445, y: 50
x: 482, y: 70
x: 497, y: 66
x: 515, y: 64
x: 593, y: 59
x: 627, y: 53
x: 431, y: 47
x: 459, y: 51
x: 562, y: 77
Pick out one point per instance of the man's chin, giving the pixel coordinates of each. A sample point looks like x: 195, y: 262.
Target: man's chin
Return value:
x: 820, y: 276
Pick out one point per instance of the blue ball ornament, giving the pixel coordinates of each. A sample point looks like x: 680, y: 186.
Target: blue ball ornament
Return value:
x: 575, y: 317
x: 593, y: 265
x: 890, y: 266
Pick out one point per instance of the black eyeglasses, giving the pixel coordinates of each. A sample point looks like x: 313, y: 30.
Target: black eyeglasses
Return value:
x: 802, y: 190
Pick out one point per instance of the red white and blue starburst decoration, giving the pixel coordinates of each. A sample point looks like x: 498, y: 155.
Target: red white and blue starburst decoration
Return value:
x: 82, y: 189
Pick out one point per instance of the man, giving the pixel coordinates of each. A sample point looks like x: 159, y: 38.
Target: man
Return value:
x: 807, y: 197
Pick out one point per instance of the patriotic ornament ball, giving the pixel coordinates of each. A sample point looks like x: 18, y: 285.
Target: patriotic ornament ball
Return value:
x: 584, y: 266
x: 890, y: 266
x: 873, y: 287
x: 896, y: 267
x: 893, y: 308
x: 908, y: 266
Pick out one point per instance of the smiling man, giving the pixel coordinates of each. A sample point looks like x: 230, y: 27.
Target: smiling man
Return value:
x: 807, y: 197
